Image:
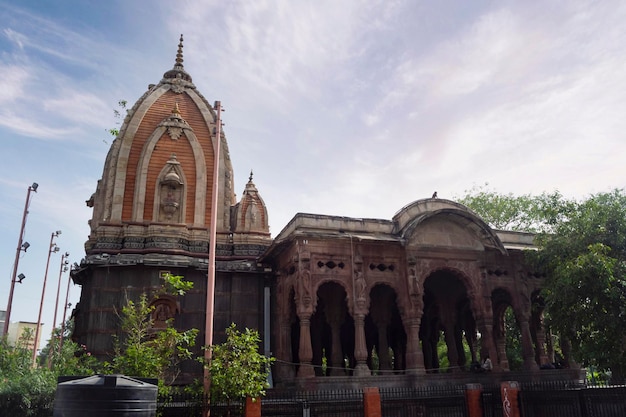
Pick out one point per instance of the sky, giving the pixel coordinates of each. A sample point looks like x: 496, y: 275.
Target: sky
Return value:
x: 351, y: 108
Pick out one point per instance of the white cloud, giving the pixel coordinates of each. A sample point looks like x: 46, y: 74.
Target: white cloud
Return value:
x: 12, y: 82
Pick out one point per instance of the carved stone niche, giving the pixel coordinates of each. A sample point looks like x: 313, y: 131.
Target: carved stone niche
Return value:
x: 171, y: 189
x: 164, y: 308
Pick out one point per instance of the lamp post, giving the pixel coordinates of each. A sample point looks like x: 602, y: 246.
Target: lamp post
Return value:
x: 62, y: 268
x: 65, y: 307
x: 20, y: 246
x: 52, y: 249
x: 210, y: 290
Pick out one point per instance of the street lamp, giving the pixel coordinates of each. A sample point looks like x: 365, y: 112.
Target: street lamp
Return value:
x: 62, y: 268
x: 66, y: 306
x: 20, y: 246
x: 52, y: 249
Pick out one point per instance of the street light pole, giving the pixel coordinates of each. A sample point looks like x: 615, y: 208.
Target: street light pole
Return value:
x: 210, y: 290
x: 7, y: 318
x: 62, y: 269
x: 65, y: 307
x: 52, y: 249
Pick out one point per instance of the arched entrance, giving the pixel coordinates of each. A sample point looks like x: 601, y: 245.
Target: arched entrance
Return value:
x: 447, y: 323
x: 506, y: 331
x: 384, y: 331
x: 332, y: 332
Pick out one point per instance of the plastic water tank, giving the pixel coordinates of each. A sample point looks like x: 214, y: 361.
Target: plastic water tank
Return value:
x: 105, y: 395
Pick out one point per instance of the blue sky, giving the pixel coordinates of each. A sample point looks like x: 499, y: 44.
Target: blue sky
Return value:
x: 345, y: 107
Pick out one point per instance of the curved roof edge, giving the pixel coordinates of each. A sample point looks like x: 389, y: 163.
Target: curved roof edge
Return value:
x: 413, y: 214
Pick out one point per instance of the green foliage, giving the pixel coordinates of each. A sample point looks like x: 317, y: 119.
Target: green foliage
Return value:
x: 175, y: 284
x: 583, y: 253
x: 24, y: 390
x: 147, y: 352
x: 524, y: 213
x: 237, y: 368
x: 513, y: 341
x: 118, y: 115
x: 585, y: 292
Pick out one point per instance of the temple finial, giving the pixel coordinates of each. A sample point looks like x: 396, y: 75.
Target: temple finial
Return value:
x: 179, y: 53
x: 250, y: 177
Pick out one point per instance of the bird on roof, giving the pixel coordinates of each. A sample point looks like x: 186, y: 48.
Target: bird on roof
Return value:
x: 434, y: 195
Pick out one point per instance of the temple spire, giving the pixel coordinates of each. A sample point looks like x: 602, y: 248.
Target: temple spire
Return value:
x: 178, y: 72
x: 179, y: 53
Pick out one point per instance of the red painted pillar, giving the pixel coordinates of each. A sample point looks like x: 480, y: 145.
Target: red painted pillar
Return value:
x: 253, y: 407
x: 371, y: 402
x: 473, y: 399
x: 509, y: 391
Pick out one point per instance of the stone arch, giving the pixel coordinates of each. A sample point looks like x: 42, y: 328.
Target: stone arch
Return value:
x: 411, y: 216
x: 332, y: 329
x: 315, y: 287
x: 501, y: 301
x: 448, y: 312
x: 384, y: 329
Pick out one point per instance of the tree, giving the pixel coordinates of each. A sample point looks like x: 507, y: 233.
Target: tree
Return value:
x: 68, y: 358
x: 147, y: 352
x: 585, y: 289
x: 583, y: 253
x: 524, y: 213
x: 237, y: 369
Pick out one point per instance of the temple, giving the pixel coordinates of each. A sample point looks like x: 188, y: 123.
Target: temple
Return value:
x: 331, y: 296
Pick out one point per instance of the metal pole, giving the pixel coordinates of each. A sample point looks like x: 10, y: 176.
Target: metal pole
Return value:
x: 210, y: 291
x: 53, y: 248
x: 65, y: 307
x: 62, y: 268
x: 7, y: 318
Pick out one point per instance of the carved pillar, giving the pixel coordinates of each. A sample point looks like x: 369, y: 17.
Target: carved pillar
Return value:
x: 527, y: 345
x: 360, y: 348
x: 487, y: 340
x: 501, y: 349
x: 487, y: 345
x: 453, y: 354
x: 306, y: 352
x: 414, y: 354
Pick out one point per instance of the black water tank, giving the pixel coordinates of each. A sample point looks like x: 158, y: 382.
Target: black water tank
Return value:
x: 105, y: 396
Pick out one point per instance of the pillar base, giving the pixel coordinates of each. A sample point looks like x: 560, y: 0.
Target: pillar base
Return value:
x: 306, y: 371
x: 362, y: 370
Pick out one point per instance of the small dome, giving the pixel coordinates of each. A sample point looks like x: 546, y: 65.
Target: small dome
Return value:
x: 172, y: 178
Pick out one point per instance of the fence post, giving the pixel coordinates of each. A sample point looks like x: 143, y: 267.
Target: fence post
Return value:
x: 509, y: 391
x: 253, y: 407
x: 371, y: 402
x: 473, y: 397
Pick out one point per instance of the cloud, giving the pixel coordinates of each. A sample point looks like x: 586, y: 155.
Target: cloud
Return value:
x: 12, y: 82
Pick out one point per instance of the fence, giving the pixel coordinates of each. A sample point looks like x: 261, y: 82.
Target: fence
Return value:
x: 535, y: 400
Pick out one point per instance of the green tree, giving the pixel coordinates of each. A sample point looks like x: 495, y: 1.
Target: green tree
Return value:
x: 524, y: 213
x: 147, y: 352
x: 585, y: 289
x: 24, y: 390
x: 583, y: 253
x: 237, y: 369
